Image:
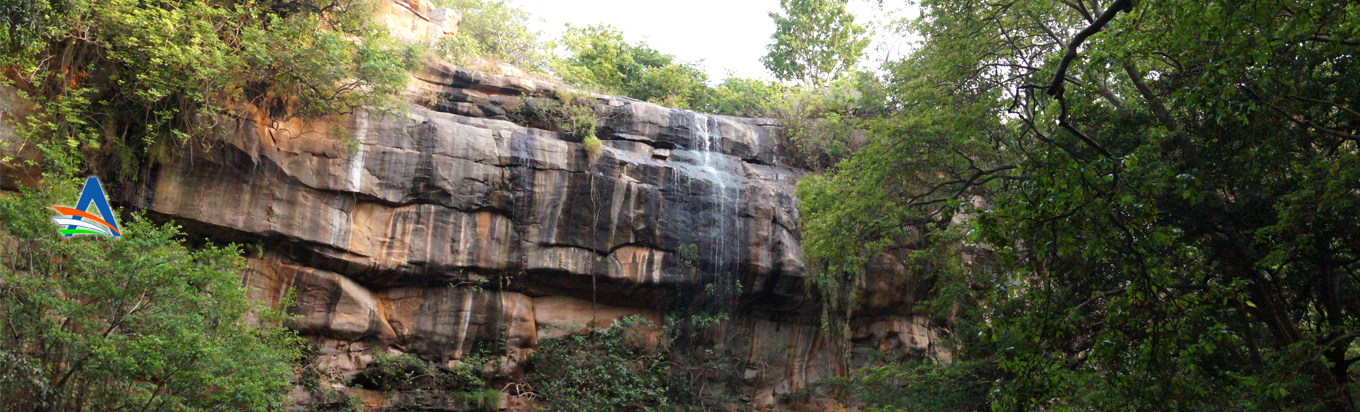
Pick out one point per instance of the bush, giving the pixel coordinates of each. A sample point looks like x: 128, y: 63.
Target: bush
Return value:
x: 494, y: 30
x: 745, y: 98
x: 394, y: 372
x: 820, y: 124
x: 919, y: 387
x: 568, y: 112
x: 402, y: 372
x: 600, y: 370
x: 128, y: 80
x: 592, y: 144
x: 485, y: 399
x: 599, y: 58
x: 108, y: 324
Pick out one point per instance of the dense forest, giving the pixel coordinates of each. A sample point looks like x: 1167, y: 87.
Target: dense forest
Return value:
x: 1147, y: 205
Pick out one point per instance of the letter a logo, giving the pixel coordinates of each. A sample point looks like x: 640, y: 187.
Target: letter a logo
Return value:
x: 72, y: 221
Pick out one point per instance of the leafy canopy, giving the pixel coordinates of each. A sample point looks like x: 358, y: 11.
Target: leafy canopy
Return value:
x: 1169, y: 224
x: 139, y: 322
x: 494, y: 30
x: 815, y: 41
x: 120, y: 81
x: 599, y: 58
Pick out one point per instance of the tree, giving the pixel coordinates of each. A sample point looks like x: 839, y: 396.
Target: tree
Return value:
x: 745, y: 98
x: 599, y: 57
x: 134, y: 323
x: 1171, y: 193
x: 495, y: 30
x: 815, y: 41
x: 27, y: 22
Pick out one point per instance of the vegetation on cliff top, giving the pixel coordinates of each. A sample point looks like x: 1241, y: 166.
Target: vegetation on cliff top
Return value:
x: 496, y: 31
x: 118, y: 82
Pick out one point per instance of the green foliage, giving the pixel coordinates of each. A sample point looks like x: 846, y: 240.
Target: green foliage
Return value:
x: 130, y: 323
x: 485, y: 399
x: 494, y: 30
x: 592, y: 144
x: 919, y: 387
x: 821, y: 124
x: 566, y: 111
x: 705, y: 350
x: 120, y: 81
x: 744, y: 98
x: 1174, y: 229
x: 403, y: 372
x: 815, y: 41
x: 689, y: 254
x: 599, y: 58
x: 898, y: 194
x: 602, y: 370
x: 28, y: 22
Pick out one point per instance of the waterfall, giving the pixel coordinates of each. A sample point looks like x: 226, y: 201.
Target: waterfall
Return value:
x: 707, y: 142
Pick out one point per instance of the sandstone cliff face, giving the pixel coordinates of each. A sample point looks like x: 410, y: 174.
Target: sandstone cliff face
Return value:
x: 427, y: 196
x: 377, y: 238
x: 374, y: 237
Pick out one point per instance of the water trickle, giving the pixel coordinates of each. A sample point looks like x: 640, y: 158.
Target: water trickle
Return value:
x: 707, y: 142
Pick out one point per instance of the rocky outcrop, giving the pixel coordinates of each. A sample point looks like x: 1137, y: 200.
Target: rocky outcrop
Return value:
x: 425, y: 196
x: 417, y: 20
x: 377, y: 228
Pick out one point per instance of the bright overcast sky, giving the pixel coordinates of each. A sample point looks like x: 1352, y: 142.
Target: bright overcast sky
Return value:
x: 728, y: 35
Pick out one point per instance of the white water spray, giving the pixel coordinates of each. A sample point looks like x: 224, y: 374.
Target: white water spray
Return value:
x: 708, y: 144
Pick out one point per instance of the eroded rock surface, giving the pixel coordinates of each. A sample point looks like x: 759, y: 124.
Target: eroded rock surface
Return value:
x: 374, y: 237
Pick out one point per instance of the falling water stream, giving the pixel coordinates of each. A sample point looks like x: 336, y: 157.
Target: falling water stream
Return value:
x: 707, y: 142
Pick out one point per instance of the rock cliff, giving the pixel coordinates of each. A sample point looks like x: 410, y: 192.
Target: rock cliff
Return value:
x: 375, y: 236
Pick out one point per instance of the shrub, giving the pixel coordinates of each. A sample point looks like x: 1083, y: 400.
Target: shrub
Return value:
x: 919, y: 386
x: 599, y: 58
x: 393, y: 372
x: 403, y: 372
x: 706, y: 349
x: 567, y: 112
x: 485, y: 399
x: 745, y: 98
x: 109, y: 324
x: 128, y: 80
x: 592, y: 144
x: 600, y: 370
x: 820, y: 123
x: 494, y: 30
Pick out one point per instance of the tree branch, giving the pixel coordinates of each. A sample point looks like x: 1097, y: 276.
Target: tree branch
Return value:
x: 1154, y: 103
x: 1055, y: 87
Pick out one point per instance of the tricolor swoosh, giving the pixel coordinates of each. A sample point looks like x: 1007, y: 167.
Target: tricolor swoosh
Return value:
x: 82, y: 224
x: 84, y: 214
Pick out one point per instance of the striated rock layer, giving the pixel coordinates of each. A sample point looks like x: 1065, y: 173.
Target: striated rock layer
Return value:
x: 377, y: 222
x: 377, y: 237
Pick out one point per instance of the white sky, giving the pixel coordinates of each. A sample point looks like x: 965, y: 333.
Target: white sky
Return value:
x: 727, y: 35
